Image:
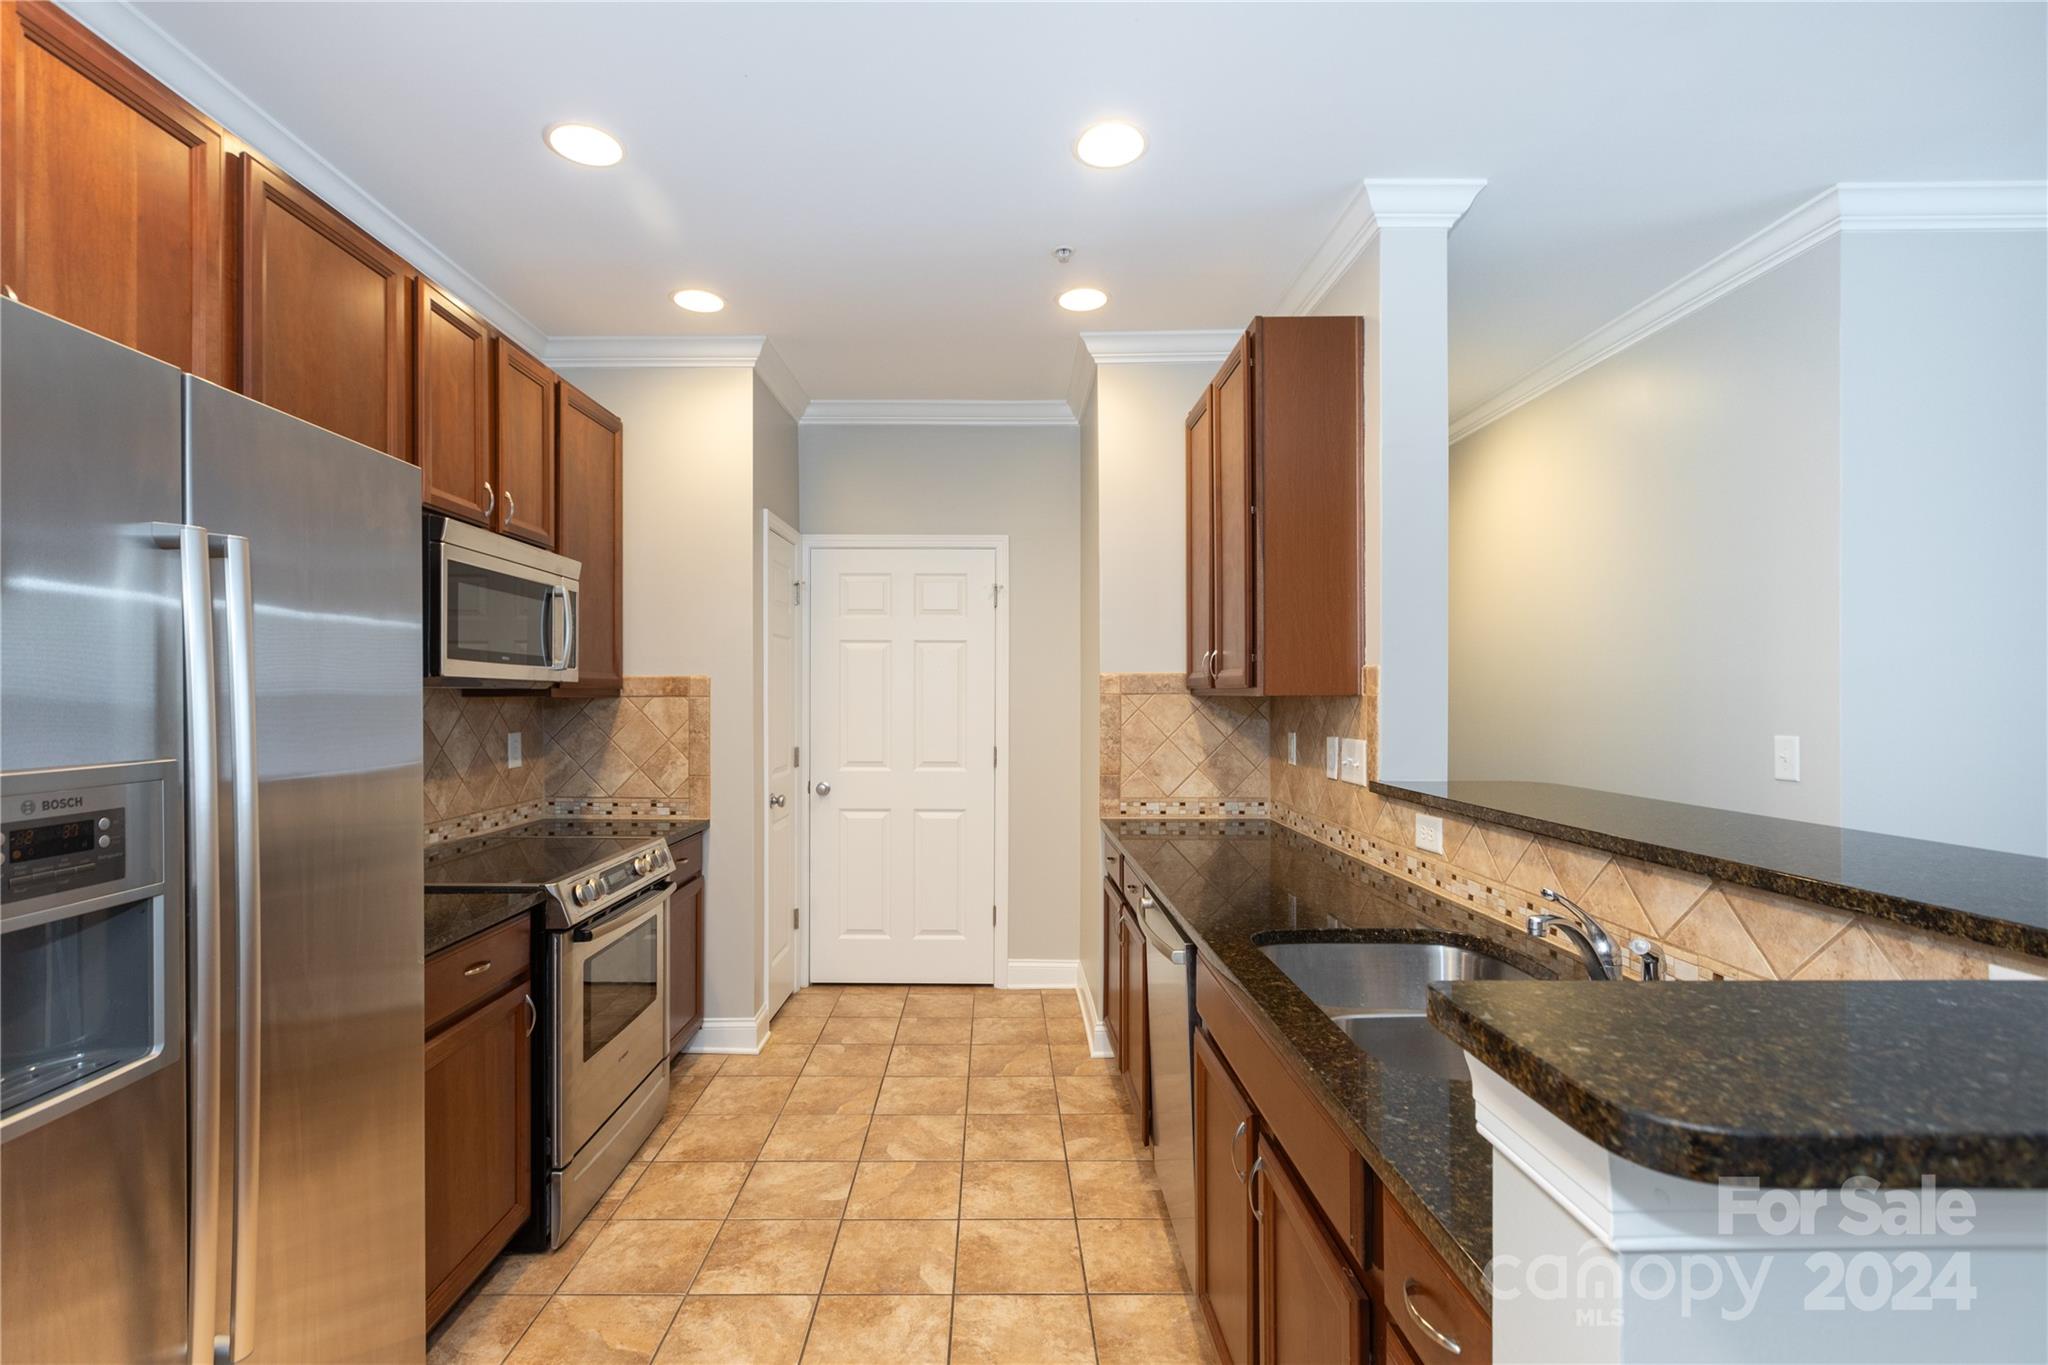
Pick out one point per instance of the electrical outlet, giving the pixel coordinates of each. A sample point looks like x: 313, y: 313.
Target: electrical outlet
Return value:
x: 514, y: 755
x: 1330, y: 756
x: 1429, y: 833
x: 1785, y: 757
x: 1351, y: 762
x: 1291, y: 757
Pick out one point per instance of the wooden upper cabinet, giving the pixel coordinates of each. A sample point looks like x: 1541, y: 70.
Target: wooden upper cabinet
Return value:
x: 523, y: 444
x: 451, y: 405
x: 589, y: 517
x: 1283, y: 558
x: 1201, y: 440
x: 110, y: 194
x: 323, y: 314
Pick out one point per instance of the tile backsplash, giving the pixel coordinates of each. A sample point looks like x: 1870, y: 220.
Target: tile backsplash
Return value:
x: 1166, y: 753
x: 645, y: 752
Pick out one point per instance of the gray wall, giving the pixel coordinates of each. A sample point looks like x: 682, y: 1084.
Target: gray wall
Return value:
x: 1023, y: 482
x: 1643, y: 563
x: 1945, y: 537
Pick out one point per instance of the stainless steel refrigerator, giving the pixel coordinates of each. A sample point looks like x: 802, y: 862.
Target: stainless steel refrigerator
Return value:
x: 211, y: 1114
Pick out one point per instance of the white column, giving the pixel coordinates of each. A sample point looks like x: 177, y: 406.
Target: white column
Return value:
x: 1414, y: 219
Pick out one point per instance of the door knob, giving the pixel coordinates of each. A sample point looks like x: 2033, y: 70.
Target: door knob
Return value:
x: 777, y: 800
x: 824, y: 789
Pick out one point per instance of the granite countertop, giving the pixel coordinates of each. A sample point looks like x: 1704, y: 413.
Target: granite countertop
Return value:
x: 1233, y: 885
x: 455, y: 916
x: 1983, y: 895
x: 1803, y: 1084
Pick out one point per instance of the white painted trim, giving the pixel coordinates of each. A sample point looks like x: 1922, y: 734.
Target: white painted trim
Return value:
x: 1956, y: 206
x: 654, y: 352
x: 1091, y: 1019
x: 1209, y: 346
x: 900, y: 412
x: 774, y: 371
x: 999, y: 968
x: 1080, y: 381
x: 1346, y: 241
x: 138, y: 38
x: 1433, y: 203
x: 740, y: 1034
x: 772, y: 525
x: 1041, y: 973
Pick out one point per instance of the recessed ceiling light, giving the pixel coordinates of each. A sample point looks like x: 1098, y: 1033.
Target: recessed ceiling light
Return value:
x: 698, y: 300
x: 585, y: 145
x: 1109, y: 145
x: 1083, y: 300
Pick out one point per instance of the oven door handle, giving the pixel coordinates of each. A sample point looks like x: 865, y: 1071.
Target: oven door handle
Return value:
x: 613, y: 921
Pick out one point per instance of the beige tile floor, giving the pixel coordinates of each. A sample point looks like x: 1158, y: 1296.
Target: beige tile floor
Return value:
x: 902, y: 1175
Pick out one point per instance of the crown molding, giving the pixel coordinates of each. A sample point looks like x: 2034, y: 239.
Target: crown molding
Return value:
x: 177, y: 66
x: 655, y: 352
x: 1080, y: 381
x: 1205, y: 346
x: 1420, y: 203
x: 900, y: 412
x: 774, y: 371
x: 1934, y: 206
x: 1346, y: 241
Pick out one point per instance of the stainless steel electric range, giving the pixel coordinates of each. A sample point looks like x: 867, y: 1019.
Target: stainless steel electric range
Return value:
x: 604, y: 969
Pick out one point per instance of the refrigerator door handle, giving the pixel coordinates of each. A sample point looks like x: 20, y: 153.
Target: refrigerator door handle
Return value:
x: 202, y: 824
x: 241, y: 663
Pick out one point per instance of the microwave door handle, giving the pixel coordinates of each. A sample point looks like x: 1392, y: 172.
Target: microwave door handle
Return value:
x: 568, y: 623
x: 202, y: 862
x: 241, y: 627
x: 558, y: 627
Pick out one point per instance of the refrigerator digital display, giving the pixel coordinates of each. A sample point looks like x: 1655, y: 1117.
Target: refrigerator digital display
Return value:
x: 28, y: 843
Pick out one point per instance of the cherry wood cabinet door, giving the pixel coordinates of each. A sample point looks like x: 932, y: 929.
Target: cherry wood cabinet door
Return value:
x: 1113, y: 971
x: 451, y: 406
x: 323, y: 314
x: 589, y: 514
x: 1312, y: 1310
x: 110, y: 194
x: 523, y: 444
x: 1134, y: 1062
x: 1236, y: 548
x: 1226, y: 1238
x: 479, y: 1142
x: 1201, y: 440
x: 685, y: 964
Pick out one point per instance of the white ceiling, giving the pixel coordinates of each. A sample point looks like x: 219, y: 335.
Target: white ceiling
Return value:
x: 878, y: 189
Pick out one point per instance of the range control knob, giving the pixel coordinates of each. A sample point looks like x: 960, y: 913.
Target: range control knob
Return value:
x: 643, y: 863
x: 584, y: 892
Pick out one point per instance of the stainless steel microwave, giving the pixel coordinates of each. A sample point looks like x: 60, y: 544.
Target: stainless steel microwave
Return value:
x: 499, y: 612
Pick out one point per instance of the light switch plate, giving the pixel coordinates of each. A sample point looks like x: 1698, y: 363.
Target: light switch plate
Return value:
x: 1785, y: 757
x: 1351, y: 762
x: 1330, y: 756
x: 1291, y: 758
x: 514, y: 745
x: 1429, y: 833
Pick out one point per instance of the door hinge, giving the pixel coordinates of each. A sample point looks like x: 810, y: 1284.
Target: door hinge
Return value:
x: 796, y: 756
x: 796, y: 916
x: 995, y: 595
x: 796, y: 593
x: 995, y: 758
x: 991, y: 914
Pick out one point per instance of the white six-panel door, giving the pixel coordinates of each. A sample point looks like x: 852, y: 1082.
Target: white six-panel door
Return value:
x: 779, y: 880
x: 902, y: 807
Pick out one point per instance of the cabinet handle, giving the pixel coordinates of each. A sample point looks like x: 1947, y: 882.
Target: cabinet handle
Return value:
x: 1252, y: 1193
x: 511, y: 507
x: 532, y: 1016
x: 1236, y: 1138
x: 490, y: 500
x: 1429, y: 1329
x: 477, y: 968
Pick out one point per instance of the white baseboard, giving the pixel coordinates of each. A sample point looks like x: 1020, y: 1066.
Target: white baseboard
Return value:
x: 1041, y: 974
x: 1091, y: 1018
x: 738, y: 1034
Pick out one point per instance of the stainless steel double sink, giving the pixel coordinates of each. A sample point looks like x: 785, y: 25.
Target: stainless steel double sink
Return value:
x: 1378, y: 993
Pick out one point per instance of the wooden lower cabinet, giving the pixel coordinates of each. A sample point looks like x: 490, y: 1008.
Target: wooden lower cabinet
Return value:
x: 479, y: 1170
x: 685, y: 963
x: 1112, y: 971
x: 1312, y: 1308
x: 1226, y: 1135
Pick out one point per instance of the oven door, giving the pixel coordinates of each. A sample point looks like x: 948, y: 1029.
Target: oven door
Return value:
x: 499, y: 620
x: 610, y: 1015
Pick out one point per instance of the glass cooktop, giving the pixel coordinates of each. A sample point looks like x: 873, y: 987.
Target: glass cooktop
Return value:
x: 516, y: 862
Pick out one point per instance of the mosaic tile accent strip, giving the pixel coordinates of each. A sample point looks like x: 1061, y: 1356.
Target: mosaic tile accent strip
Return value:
x: 1167, y: 753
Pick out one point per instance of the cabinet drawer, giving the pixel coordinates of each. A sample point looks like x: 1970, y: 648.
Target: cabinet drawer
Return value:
x: 474, y: 970
x: 1332, y: 1171
x: 1424, y: 1300
x: 689, y: 856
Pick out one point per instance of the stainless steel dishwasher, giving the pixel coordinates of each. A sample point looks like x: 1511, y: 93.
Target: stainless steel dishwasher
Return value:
x: 1169, y: 1004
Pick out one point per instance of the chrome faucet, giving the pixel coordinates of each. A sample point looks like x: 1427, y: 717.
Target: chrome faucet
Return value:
x: 1595, y: 949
